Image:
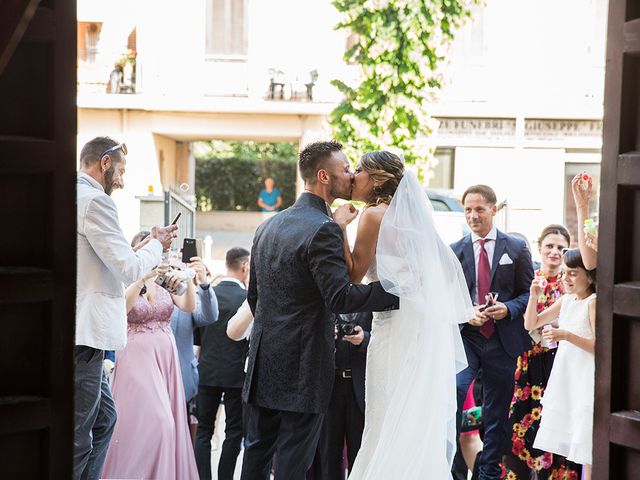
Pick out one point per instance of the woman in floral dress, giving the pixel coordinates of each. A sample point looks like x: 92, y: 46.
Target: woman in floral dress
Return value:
x: 531, y: 376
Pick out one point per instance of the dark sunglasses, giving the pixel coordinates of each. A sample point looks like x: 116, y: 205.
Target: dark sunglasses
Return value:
x: 115, y: 148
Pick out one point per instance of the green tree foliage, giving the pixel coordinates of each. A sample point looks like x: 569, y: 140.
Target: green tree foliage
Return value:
x: 398, y: 48
x: 230, y: 175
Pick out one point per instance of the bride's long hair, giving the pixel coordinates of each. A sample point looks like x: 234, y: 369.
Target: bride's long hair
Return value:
x: 386, y: 170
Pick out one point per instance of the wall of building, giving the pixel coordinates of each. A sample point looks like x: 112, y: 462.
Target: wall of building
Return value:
x: 159, y: 145
x: 520, y: 106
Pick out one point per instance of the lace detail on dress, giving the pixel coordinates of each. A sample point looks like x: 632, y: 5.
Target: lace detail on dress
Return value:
x: 144, y: 317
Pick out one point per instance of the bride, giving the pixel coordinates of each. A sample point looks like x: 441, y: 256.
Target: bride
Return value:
x: 415, y: 352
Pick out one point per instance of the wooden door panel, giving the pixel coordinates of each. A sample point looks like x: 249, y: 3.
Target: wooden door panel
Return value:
x: 38, y: 250
x: 617, y: 401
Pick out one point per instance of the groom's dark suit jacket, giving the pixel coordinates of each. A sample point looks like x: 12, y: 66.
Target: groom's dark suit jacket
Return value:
x: 511, y: 281
x: 298, y: 278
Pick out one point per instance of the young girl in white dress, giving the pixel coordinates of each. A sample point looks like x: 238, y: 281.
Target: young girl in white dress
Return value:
x: 566, y: 426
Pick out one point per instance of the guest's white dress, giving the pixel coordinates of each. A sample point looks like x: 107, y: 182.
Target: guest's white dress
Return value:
x: 415, y: 352
x: 566, y: 426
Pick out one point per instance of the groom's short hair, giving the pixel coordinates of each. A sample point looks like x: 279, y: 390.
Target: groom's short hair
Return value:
x: 313, y: 156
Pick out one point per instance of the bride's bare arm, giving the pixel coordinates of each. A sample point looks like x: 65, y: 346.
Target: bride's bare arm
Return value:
x: 364, y: 249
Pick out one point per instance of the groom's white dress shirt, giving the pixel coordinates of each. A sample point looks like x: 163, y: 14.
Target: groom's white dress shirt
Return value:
x: 106, y: 262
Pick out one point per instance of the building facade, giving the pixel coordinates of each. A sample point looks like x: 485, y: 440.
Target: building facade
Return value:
x: 520, y: 110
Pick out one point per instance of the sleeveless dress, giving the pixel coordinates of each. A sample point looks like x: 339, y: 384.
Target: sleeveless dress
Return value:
x: 566, y: 427
x: 415, y: 352
x: 151, y: 439
x: 384, y: 361
x: 405, y: 427
x: 532, y: 374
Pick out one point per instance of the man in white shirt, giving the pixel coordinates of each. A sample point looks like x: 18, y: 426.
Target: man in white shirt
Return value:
x: 106, y: 261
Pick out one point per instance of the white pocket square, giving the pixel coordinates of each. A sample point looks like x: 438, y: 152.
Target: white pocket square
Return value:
x: 505, y: 260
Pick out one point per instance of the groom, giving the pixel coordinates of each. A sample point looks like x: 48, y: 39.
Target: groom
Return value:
x: 492, y: 262
x: 298, y: 280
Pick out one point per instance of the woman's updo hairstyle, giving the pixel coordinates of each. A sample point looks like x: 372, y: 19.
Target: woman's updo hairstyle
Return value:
x: 554, y: 229
x: 386, y: 170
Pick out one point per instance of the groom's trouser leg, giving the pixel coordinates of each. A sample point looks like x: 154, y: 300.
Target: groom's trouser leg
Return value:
x: 498, y: 370
x: 332, y: 445
x: 297, y: 442
x: 262, y: 426
x: 355, y: 426
x: 473, y: 348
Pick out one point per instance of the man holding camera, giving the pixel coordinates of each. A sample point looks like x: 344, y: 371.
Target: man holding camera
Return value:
x: 498, y: 271
x: 344, y: 420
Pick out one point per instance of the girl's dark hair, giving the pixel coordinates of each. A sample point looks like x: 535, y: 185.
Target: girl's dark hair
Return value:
x: 386, y: 170
x: 573, y: 259
x: 554, y: 229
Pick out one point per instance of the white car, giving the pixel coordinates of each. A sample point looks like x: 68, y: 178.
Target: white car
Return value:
x: 449, y: 216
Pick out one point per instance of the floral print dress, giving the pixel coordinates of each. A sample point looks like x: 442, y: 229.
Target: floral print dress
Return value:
x: 531, y: 377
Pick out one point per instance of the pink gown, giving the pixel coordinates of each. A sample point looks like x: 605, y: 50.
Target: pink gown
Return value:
x: 151, y: 439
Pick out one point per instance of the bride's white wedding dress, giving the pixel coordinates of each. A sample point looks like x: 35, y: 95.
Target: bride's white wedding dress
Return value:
x: 415, y: 352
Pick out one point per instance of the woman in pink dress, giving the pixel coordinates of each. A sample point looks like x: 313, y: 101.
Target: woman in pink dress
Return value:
x: 151, y: 438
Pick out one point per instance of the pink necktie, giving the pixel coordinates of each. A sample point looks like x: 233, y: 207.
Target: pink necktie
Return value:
x: 484, y: 287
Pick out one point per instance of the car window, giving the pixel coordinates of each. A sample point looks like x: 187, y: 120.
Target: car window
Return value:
x: 439, y: 205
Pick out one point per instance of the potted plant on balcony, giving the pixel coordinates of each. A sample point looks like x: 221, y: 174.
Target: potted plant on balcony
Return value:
x: 127, y: 65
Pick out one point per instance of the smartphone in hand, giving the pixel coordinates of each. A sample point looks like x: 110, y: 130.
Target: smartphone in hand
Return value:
x: 189, y: 249
x: 175, y: 219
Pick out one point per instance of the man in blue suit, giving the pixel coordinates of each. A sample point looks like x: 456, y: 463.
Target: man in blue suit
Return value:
x: 498, y: 263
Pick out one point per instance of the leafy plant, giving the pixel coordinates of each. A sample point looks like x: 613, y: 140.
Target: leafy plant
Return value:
x: 230, y: 175
x: 398, y: 47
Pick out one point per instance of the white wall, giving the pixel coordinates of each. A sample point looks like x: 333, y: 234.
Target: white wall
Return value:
x: 526, y: 53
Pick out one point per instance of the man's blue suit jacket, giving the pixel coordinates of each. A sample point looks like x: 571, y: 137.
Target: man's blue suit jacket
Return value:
x: 510, y: 280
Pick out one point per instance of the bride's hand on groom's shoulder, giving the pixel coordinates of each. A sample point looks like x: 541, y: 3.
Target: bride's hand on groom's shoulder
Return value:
x: 345, y: 214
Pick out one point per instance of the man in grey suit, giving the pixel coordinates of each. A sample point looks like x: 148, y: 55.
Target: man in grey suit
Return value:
x: 298, y: 280
x: 105, y: 262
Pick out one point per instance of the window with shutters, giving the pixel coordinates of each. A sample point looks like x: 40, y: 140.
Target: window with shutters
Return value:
x: 226, y: 28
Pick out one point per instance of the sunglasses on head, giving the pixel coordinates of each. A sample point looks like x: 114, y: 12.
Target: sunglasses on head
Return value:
x: 115, y: 148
